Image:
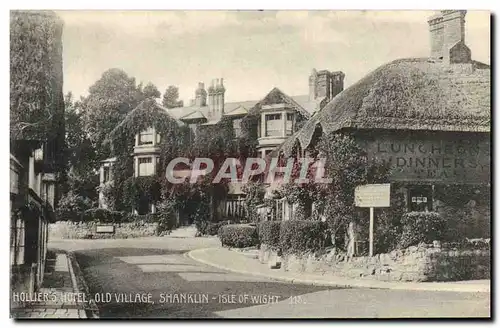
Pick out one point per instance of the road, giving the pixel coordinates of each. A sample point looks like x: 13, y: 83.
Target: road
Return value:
x: 153, y: 278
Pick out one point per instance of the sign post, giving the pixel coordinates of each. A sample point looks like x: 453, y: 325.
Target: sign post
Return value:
x: 372, y: 195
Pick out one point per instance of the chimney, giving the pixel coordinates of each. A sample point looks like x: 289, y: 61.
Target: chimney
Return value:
x: 201, y: 95
x: 323, y: 84
x: 447, y: 34
x: 313, y: 78
x: 337, y: 83
x: 436, y: 33
x: 221, y: 91
x: 211, y: 99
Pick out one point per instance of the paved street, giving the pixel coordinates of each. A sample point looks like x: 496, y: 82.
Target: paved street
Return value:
x: 157, y: 274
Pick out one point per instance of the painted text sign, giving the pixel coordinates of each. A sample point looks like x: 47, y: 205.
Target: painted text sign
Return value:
x: 435, y: 158
x: 373, y: 195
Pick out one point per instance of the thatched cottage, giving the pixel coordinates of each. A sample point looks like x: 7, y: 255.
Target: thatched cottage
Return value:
x: 430, y: 118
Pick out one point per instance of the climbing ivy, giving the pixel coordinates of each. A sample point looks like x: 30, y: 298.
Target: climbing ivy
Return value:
x: 36, y: 99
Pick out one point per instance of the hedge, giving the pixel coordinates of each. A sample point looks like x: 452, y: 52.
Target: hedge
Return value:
x: 269, y: 233
x: 238, y: 235
x: 212, y: 228
x: 299, y: 236
x: 421, y: 227
x: 101, y: 215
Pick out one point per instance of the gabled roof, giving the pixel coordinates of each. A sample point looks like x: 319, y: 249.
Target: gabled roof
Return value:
x: 409, y: 94
x: 182, y: 112
x: 238, y: 111
x: 276, y: 96
x: 193, y: 116
x: 148, y: 112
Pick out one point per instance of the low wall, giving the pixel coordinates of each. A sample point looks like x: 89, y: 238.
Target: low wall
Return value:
x: 87, y: 230
x: 416, y: 263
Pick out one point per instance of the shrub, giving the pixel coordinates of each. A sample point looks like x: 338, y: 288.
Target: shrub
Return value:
x: 421, y: 227
x: 71, y: 206
x: 166, y: 222
x: 269, y: 233
x: 238, y: 235
x: 212, y: 228
x: 102, y: 215
x: 299, y: 236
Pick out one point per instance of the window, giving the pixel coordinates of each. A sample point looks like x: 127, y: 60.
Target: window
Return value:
x: 145, y: 166
x: 106, y: 174
x: 237, y: 128
x: 273, y: 117
x: 274, y: 127
x: 17, y: 241
x: 420, y: 198
x: 289, y: 124
x: 146, y: 137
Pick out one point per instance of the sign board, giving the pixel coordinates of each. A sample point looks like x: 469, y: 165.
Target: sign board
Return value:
x: 105, y: 228
x: 373, y: 195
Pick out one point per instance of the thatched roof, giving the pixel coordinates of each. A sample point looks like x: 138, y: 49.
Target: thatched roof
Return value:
x: 408, y: 94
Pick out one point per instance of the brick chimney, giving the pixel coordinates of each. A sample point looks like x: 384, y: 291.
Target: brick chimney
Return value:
x: 211, y: 99
x: 325, y: 84
x: 313, y: 80
x: 220, y: 92
x: 201, y: 95
x: 447, y: 36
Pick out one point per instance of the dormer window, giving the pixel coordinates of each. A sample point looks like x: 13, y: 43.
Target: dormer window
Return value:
x: 146, y: 137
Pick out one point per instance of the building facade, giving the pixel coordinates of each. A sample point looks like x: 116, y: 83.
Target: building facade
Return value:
x: 273, y: 118
x: 36, y: 142
x: 430, y: 119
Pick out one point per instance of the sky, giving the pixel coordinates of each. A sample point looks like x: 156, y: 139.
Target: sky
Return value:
x: 253, y: 51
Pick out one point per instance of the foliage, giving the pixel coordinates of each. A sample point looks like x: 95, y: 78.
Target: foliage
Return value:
x: 127, y: 190
x: 36, y: 98
x: 421, y: 227
x: 388, y: 226
x: 255, y: 192
x: 79, y: 151
x: 81, y: 161
x: 303, y: 195
x: 299, y: 236
x: 347, y: 164
x: 151, y: 91
x: 269, y: 233
x: 212, y: 228
x: 467, y: 209
x: 71, y: 205
x: 101, y: 215
x: 171, y: 97
x: 139, y: 189
x: 238, y: 235
x: 110, y: 99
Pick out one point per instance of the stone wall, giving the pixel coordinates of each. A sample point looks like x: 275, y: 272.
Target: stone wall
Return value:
x: 87, y: 230
x: 416, y: 263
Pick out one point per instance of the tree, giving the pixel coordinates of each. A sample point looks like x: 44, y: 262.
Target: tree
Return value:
x: 80, y: 155
x: 171, y: 96
x: 151, y: 91
x: 110, y: 98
